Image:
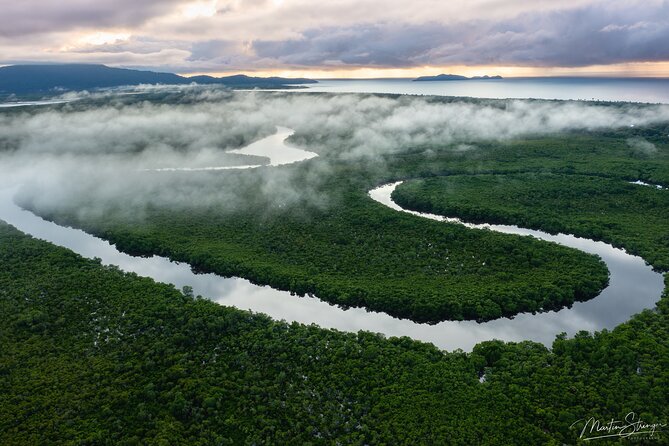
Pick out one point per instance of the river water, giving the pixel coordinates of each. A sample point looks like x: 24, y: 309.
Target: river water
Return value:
x: 272, y: 147
x: 633, y: 285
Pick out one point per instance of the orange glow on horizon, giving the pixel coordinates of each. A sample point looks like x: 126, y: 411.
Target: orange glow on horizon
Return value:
x: 637, y: 69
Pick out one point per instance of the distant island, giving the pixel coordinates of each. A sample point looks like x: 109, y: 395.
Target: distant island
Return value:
x: 25, y: 79
x: 454, y: 77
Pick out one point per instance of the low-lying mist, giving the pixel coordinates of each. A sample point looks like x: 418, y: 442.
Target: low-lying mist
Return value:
x: 95, y: 150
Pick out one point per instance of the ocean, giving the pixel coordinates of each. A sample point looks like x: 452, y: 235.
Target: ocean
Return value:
x: 649, y: 90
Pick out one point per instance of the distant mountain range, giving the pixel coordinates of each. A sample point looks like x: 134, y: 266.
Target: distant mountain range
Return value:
x: 25, y: 79
x: 454, y: 77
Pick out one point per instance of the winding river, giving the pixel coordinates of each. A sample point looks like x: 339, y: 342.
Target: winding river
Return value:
x: 633, y: 285
x: 273, y: 147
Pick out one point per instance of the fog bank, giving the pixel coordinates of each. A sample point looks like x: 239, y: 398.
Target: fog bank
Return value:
x: 96, y: 148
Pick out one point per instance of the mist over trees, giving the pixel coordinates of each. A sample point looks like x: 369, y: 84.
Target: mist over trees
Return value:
x: 99, y: 136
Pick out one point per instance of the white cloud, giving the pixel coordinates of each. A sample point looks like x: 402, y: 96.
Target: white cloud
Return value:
x: 264, y: 34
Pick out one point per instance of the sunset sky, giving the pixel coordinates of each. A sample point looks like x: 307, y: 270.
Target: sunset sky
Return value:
x: 346, y: 38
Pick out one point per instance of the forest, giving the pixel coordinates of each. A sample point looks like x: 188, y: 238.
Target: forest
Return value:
x: 92, y: 355
x: 627, y: 215
x: 358, y: 253
x: 325, y: 237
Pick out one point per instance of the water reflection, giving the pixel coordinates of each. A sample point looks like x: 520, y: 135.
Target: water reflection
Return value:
x: 567, y: 88
x: 267, y: 147
x: 273, y: 147
x: 633, y: 287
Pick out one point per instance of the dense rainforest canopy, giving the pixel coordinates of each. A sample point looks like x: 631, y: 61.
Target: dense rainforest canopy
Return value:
x: 628, y: 215
x: 92, y: 355
x: 312, y: 229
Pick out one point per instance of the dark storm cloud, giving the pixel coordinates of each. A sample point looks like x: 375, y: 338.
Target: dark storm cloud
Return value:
x: 226, y: 35
x: 577, y: 37
x: 585, y: 36
x: 376, y: 44
x: 24, y: 17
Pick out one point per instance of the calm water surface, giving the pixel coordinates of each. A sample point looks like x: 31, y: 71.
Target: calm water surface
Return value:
x: 601, y: 89
x: 633, y: 285
x: 650, y: 90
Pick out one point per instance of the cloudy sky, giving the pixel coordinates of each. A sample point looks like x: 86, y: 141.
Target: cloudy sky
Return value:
x: 344, y: 38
